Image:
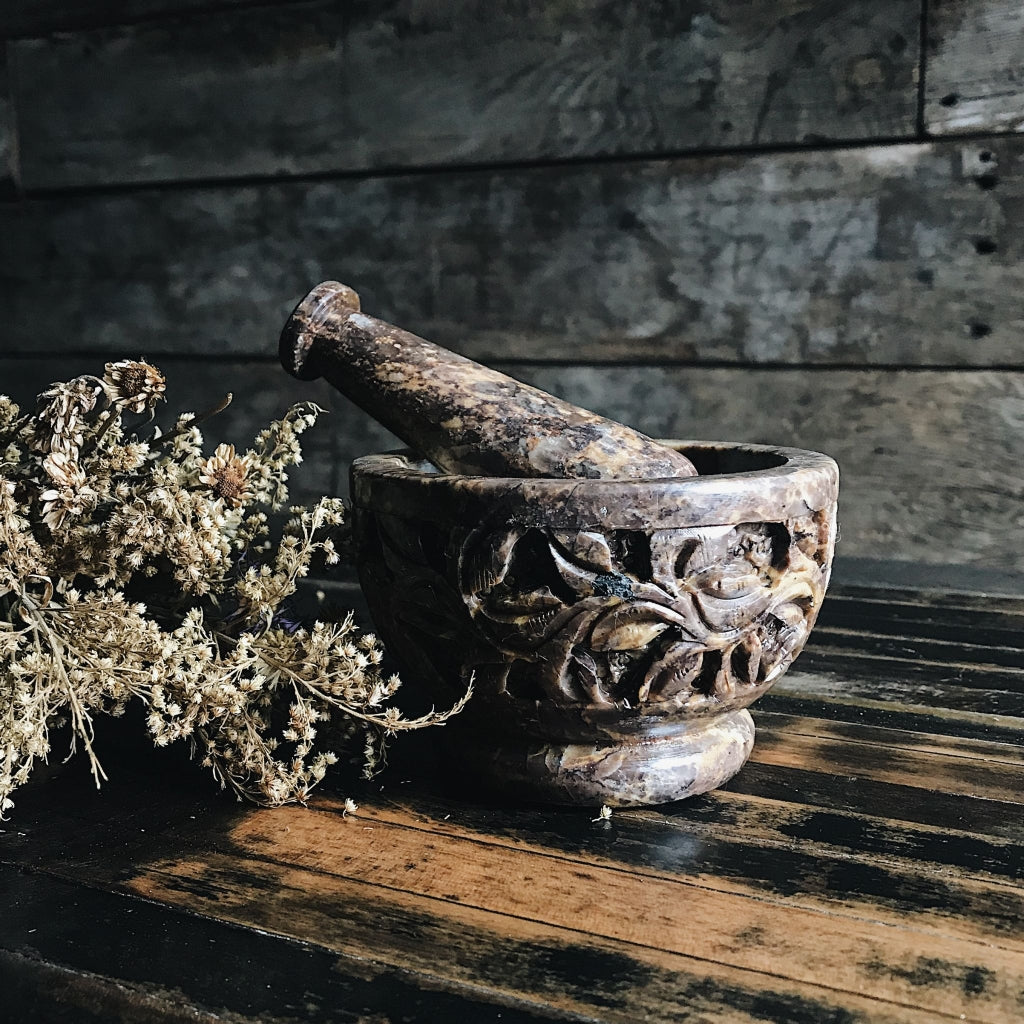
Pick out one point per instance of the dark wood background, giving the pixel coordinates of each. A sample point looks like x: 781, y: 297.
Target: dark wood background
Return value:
x: 786, y: 221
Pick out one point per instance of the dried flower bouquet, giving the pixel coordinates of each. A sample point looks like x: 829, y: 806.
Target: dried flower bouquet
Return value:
x: 134, y: 567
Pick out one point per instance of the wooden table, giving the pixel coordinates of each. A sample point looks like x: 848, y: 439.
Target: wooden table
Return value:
x: 866, y: 865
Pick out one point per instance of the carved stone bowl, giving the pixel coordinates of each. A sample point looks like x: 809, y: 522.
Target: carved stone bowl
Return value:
x: 615, y: 630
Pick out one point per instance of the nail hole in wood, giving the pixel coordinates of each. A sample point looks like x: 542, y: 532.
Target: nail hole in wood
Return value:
x: 985, y: 156
x: 950, y: 99
x: 986, y: 181
x: 985, y: 246
x: 978, y: 329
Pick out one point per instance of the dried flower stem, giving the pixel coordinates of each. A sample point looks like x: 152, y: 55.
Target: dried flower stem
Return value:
x: 90, y: 513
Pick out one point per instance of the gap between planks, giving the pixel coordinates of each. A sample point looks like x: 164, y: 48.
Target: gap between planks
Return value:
x: 405, y: 815
x: 979, y: 751
x: 851, y: 632
x: 935, y: 772
x: 155, y: 882
x: 284, y: 898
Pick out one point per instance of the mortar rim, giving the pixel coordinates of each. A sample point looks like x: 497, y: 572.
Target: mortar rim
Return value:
x: 804, y: 483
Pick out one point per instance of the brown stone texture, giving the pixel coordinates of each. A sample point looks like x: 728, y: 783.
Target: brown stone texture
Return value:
x: 614, y: 630
x: 465, y: 417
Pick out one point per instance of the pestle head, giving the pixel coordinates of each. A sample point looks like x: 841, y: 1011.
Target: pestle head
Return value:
x: 297, y: 347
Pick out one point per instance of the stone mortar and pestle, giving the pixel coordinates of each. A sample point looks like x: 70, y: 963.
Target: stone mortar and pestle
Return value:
x: 617, y: 601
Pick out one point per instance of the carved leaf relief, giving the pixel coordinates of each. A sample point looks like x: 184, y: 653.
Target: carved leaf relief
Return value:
x: 674, y: 618
x: 682, y: 616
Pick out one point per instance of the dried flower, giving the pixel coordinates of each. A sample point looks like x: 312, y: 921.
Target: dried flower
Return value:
x: 134, y: 386
x: 60, y: 416
x: 215, y: 654
x: 225, y: 473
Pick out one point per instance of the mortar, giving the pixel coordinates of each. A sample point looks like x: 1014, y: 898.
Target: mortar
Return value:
x: 616, y: 601
x: 615, y: 630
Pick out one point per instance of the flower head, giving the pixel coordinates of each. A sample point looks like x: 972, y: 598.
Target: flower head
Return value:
x: 69, y: 495
x: 135, y: 386
x: 64, y: 471
x: 61, y: 413
x: 225, y: 473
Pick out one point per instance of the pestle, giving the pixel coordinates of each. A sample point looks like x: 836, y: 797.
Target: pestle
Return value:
x: 462, y: 416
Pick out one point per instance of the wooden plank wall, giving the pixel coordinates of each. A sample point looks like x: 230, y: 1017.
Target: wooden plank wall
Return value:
x: 786, y: 221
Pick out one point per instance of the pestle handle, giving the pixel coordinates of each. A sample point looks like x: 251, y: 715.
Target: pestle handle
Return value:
x: 464, y: 417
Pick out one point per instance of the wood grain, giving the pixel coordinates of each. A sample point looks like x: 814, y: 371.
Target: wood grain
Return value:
x: 326, y: 87
x: 849, y: 608
x: 906, y: 442
x: 974, y: 777
x: 738, y: 858
x: 973, y: 79
x: 8, y: 132
x: 929, y: 459
x: 855, y: 682
x: 365, y: 902
x: 440, y: 945
x: 136, y: 962
x: 526, y: 888
x: 30, y: 18
x: 1000, y: 750
x: 889, y: 255
x: 850, y: 872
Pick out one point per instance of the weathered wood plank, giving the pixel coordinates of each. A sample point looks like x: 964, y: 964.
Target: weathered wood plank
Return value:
x: 913, y: 671
x: 796, y: 694
x: 392, y: 924
x: 43, y: 17
x: 914, y: 484
x: 901, y: 644
x: 834, y: 793
x: 930, y: 459
x: 943, y: 584
x: 974, y: 64
x: 107, y: 957
x: 891, y: 255
x: 328, y: 87
x: 8, y: 133
x: 858, y: 732
x: 859, y: 683
x: 748, y: 858
x: 733, y: 835
x: 996, y: 625
x: 917, y: 768
x: 841, y: 861
x: 443, y: 868
x: 561, y: 972
x: 519, y: 890
x: 431, y: 944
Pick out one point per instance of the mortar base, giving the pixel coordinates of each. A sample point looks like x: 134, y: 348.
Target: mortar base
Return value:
x: 635, y: 771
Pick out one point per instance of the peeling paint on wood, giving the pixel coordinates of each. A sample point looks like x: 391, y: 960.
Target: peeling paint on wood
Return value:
x: 974, y: 60
x: 310, y: 88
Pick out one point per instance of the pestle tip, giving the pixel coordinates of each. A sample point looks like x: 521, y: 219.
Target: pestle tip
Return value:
x: 297, y: 348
